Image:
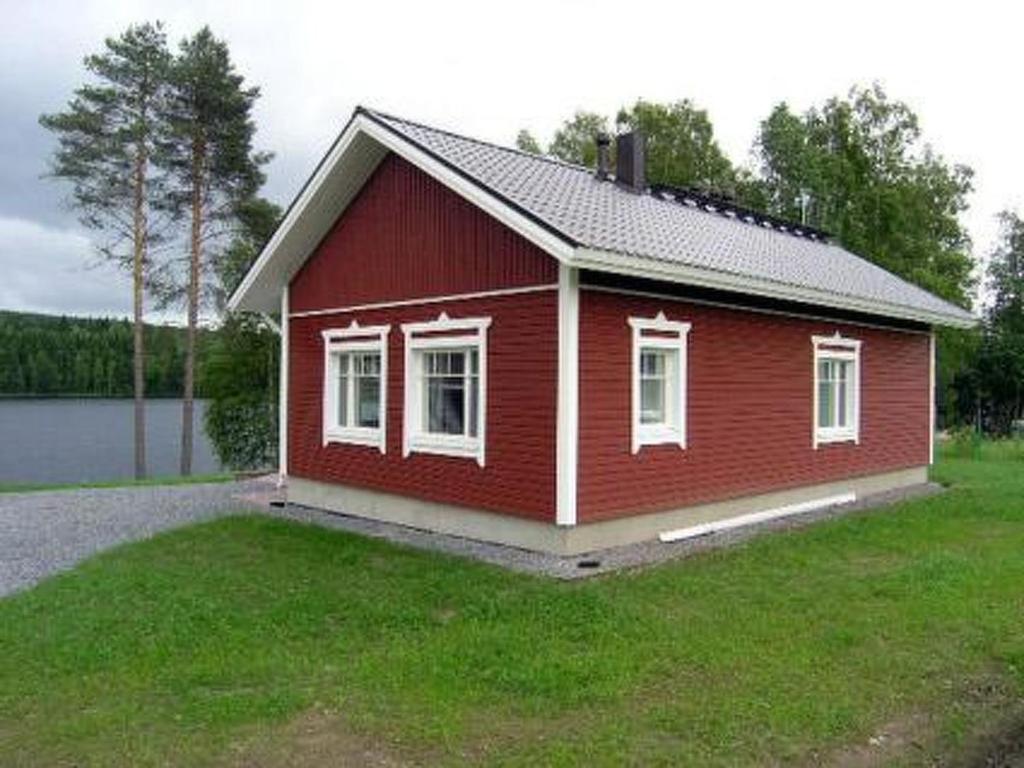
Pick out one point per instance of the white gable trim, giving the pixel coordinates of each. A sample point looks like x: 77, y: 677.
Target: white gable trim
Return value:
x: 361, y: 125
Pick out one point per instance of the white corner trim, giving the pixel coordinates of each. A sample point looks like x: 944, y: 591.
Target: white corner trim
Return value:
x: 931, y: 398
x: 671, y: 335
x: 836, y: 347
x: 355, y: 338
x: 757, y: 517
x: 282, y: 393
x: 456, y: 333
x: 567, y: 425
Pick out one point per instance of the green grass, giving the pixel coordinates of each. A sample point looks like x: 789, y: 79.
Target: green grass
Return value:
x: 220, y: 477
x: 200, y: 644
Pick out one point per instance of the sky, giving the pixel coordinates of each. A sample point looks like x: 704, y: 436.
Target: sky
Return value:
x: 490, y: 69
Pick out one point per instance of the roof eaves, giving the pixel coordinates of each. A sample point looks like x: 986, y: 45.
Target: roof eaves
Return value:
x: 634, y: 266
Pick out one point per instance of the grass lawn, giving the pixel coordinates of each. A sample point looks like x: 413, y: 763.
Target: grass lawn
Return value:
x: 250, y: 641
x: 221, y: 477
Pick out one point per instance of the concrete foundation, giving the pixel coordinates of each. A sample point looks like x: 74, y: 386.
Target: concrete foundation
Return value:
x: 578, y: 539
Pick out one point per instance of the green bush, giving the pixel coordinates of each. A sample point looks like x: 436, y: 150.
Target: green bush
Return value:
x: 240, y: 380
x: 966, y: 442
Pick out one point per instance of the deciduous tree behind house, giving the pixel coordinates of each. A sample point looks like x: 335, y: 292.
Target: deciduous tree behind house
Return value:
x: 240, y: 376
x: 107, y: 141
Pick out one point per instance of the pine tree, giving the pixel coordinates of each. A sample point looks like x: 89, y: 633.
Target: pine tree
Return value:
x: 212, y: 161
x: 107, y: 139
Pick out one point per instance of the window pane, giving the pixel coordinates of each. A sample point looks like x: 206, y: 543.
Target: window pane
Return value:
x: 474, y: 403
x: 445, y: 405
x: 342, y: 398
x: 841, y: 418
x: 367, y: 396
x: 652, y: 363
x: 341, y: 394
x: 825, y: 403
x: 652, y: 401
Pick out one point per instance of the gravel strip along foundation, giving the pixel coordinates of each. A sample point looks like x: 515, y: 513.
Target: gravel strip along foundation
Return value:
x: 589, y: 564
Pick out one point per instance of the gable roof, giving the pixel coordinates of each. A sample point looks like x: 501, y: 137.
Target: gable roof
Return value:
x: 588, y: 223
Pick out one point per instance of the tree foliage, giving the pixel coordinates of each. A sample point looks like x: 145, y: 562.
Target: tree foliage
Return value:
x: 210, y: 159
x: 212, y: 165
x: 998, y: 375
x: 239, y: 378
x: 108, y: 145
x: 241, y: 375
x: 528, y: 143
x: 90, y: 357
x: 681, y: 146
x: 856, y: 167
x: 110, y: 131
x: 574, y: 141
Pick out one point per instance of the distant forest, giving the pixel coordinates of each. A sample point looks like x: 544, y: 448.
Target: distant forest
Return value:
x: 50, y: 355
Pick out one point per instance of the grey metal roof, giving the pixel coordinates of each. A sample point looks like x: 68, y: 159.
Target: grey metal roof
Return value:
x: 569, y: 200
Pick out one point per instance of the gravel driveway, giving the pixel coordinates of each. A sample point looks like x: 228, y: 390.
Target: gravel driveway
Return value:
x: 44, y: 532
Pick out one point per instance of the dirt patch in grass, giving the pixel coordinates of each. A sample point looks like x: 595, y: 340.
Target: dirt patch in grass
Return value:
x: 984, y: 728
x: 321, y: 738
x: 318, y: 739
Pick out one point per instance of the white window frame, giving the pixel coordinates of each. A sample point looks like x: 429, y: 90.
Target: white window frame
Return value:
x: 840, y: 349
x: 355, y: 338
x: 443, y: 334
x: 669, y: 335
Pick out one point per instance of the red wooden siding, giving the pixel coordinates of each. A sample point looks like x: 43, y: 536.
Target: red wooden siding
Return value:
x: 522, y: 362
x: 407, y: 236
x: 749, y: 416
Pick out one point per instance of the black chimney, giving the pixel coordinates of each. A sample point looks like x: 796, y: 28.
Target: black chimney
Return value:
x: 629, y: 161
x: 603, y: 142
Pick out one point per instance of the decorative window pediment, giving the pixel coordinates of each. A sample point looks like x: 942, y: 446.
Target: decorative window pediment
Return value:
x: 659, y: 381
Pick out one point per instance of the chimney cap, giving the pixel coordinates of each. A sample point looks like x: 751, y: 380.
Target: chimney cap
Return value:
x: 630, y: 161
x: 603, y: 142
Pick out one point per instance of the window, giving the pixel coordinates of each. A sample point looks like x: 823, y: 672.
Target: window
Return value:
x: 659, y: 381
x: 355, y: 385
x: 446, y: 387
x: 836, y: 390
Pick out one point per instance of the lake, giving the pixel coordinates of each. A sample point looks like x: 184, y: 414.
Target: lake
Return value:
x: 71, y: 440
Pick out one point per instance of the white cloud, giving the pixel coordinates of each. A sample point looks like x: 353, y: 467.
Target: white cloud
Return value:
x: 53, y: 270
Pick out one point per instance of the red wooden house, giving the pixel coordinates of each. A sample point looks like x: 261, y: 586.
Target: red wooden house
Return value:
x: 507, y: 347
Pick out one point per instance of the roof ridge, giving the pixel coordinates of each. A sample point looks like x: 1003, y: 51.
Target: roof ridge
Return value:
x: 472, y: 139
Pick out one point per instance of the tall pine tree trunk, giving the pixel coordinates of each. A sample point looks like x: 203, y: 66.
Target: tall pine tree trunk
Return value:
x: 138, y: 265
x: 195, y: 264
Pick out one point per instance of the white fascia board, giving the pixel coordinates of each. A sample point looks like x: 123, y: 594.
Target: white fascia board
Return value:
x: 608, y: 261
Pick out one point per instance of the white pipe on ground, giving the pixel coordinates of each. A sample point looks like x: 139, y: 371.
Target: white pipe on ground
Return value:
x: 756, y: 517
